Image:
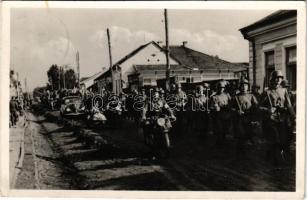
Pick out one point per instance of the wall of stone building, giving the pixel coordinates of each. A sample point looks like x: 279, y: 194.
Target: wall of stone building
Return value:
x: 250, y: 69
x: 277, y: 41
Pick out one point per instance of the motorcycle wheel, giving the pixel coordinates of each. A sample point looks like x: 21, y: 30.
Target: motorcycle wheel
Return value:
x: 165, y: 146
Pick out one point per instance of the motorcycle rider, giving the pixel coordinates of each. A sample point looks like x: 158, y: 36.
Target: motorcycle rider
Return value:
x: 155, y: 107
x: 277, y: 107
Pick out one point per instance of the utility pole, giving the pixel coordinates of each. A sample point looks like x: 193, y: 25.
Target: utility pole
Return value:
x: 17, y: 86
x: 115, y: 86
x: 109, y: 46
x: 78, y: 68
x: 168, y: 68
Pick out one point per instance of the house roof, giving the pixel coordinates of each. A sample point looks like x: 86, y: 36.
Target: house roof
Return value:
x: 186, y: 57
x: 136, y: 51
x: 195, y: 59
x: 139, y: 68
x: 272, y: 18
x: 132, y: 53
x: 84, y: 79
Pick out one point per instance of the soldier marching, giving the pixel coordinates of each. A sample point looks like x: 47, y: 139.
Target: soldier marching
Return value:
x: 230, y: 111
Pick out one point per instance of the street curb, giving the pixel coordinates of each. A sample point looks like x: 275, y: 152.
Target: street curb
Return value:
x: 19, y: 164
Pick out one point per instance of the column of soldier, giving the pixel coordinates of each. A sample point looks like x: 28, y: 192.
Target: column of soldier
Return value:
x: 227, y: 109
x: 218, y: 112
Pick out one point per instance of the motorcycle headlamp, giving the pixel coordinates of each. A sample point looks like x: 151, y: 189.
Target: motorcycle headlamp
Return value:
x: 161, y: 121
x: 68, y: 109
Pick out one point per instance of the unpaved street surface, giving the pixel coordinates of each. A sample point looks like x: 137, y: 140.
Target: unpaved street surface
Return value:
x: 58, y: 157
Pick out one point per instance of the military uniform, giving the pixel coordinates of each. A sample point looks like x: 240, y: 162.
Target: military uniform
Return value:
x: 220, y: 106
x: 181, y: 100
x: 276, y: 106
x: 243, y: 104
x: 201, y: 111
x: 13, y: 112
x: 154, y: 108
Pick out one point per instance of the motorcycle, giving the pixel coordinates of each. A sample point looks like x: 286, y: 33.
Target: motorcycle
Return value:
x: 156, y: 134
x: 96, y: 118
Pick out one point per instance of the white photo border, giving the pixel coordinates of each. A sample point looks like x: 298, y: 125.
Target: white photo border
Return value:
x: 300, y: 6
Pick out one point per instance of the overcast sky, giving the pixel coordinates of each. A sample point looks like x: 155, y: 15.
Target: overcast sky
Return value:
x: 42, y: 37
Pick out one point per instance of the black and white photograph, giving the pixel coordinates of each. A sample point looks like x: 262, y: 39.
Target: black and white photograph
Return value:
x: 155, y: 99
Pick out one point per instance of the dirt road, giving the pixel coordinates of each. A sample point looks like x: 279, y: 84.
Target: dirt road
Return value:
x: 58, y: 158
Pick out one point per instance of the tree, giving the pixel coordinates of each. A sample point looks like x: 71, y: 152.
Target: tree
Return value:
x: 70, y: 79
x: 59, y: 78
x: 54, y: 76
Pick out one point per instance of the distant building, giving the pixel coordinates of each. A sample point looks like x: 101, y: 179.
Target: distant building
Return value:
x: 87, y: 83
x: 145, y: 65
x: 272, y: 45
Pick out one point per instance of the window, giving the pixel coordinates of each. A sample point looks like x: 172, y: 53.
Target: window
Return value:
x: 190, y: 80
x: 269, y: 65
x: 291, y: 67
x: 147, y: 81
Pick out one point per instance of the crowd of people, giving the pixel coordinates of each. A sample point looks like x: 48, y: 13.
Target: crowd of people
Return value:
x: 18, y: 104
x: 220, y: 111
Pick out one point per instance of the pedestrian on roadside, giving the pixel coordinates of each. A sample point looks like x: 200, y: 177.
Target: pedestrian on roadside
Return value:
x: 13, y: 111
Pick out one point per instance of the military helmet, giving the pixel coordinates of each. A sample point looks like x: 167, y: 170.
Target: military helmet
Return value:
x: 206, y: 85
x: 276, y: 73
x: 173, y: 86
x: 156, y: 89
x: 199, y: 87
x: 161, y: 91
x: 221, y: 84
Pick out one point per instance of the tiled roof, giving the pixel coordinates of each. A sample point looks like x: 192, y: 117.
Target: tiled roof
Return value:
x: 139, y: 68
x: 83, y: 78
x: 186, y: 57
x: 195, y: 59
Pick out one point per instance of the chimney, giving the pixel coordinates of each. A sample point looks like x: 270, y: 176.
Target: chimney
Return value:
x: 184, y: 43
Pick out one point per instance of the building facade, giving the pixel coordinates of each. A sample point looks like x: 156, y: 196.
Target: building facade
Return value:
x: 146, y: 64
x: 147, y: 75
x: 272, y: 46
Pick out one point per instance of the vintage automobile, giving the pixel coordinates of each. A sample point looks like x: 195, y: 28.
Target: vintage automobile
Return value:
x: 72, y: 108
